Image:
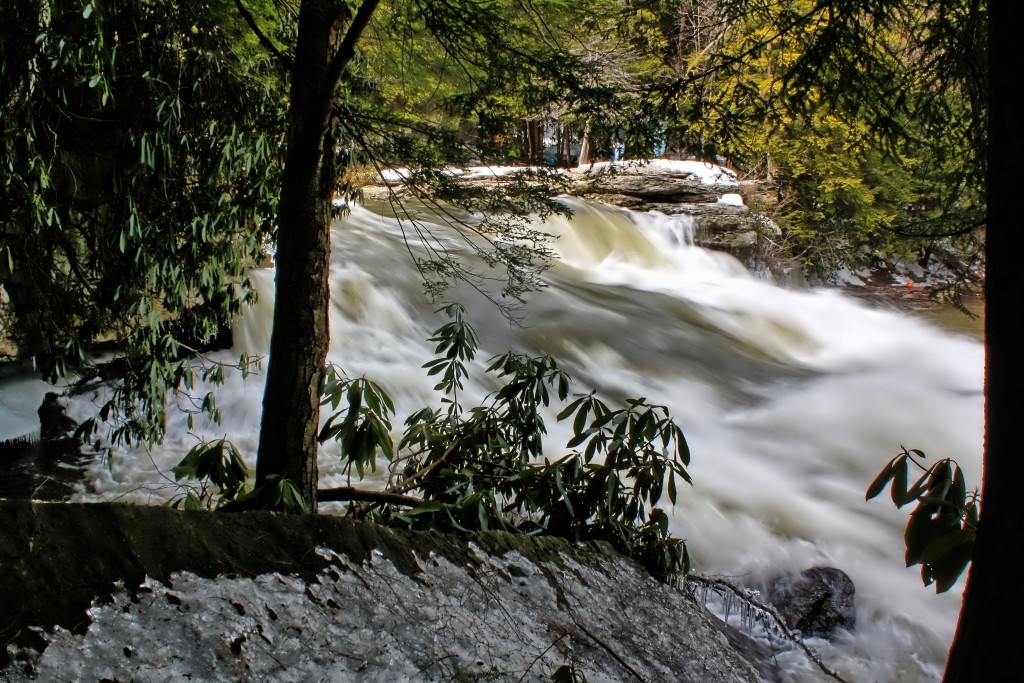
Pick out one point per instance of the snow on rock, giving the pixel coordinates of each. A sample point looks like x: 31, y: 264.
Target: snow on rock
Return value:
x: 658, y: 180
x: 380, y: 605
x: 397, y: 176
x: 373, y: 622
x: 706, y: 172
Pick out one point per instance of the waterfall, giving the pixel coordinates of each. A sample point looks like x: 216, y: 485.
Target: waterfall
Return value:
x: 791, y: 400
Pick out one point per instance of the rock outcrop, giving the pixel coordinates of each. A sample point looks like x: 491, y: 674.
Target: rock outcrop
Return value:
x: 676, y: 182
x: 711, y: 194
x: 708, y: 193
x: 265, y: 596
x: 816, y: 601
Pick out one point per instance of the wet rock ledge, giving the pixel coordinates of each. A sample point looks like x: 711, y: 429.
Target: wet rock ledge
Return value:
x: 257, y: 595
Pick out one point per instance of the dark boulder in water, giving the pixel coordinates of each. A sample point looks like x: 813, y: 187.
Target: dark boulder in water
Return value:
x: 817, y: 601
x: 54, y: 423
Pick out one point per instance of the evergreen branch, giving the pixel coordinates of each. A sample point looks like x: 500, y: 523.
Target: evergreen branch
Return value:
x: 284, y: 60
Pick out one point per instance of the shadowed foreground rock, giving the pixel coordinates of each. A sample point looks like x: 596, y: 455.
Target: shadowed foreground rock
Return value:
x: 272, y: 597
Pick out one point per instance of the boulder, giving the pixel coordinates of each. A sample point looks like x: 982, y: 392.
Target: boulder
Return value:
x: 54, y: 423
x: 817, y: 601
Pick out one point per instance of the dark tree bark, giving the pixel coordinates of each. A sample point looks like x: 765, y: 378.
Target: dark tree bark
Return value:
x: 299, y: 342
x: 327, y: 37
x: 534, y: 132
x: 987, y: 644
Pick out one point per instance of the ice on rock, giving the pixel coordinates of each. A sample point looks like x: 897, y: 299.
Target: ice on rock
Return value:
x: 503, y: 617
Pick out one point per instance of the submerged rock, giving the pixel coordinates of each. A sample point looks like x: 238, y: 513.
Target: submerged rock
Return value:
x: 816, y: 601
x: 44, y: 464
x: 257, y: 595
x: 54, y: 423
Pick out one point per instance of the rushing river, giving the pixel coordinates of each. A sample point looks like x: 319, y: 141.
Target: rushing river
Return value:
x: 791, y: 401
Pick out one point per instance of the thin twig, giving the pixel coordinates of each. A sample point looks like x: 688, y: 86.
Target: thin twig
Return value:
x: 769, y: 610
x: 407, y: 483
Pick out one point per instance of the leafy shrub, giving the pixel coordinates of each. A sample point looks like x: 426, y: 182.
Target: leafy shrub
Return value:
x: 483, y: 467
x: 220, y: 465
x: 941, y: 531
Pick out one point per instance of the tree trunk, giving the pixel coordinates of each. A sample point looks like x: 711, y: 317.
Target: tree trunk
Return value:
x: 987, y: 644
x: 534, y: 141
x: 298, y: 345
x: 586, y: 153
x: 566, y: 148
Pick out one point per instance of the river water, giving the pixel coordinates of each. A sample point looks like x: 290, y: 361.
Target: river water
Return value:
x: 791, y: 401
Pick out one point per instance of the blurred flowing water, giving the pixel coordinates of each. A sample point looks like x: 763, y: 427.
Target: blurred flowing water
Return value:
x: 791, y: 401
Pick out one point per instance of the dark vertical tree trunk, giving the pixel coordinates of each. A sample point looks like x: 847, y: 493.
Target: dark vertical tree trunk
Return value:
x: 326, y: 42
x: 987, y: 644
x: 298, y: 346
x: 565, y: 150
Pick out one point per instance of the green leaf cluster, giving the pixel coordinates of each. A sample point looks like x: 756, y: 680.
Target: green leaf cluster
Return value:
x: 220, y: 480
x: 484, y: 467
x: 865, y: 116
x: 942, y: 528
x: 139, y: 184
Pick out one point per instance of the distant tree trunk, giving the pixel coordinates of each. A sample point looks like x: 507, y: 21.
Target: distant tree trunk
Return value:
x: 586, y: 153
x: 534, y: 131
x: 565, y: 149
x: 987, y: 644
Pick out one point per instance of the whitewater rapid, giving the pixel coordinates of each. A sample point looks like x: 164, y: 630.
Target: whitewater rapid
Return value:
x: 791, y: 401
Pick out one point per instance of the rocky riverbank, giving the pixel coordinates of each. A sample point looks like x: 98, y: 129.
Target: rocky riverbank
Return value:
x: 257, y: 595
x: 711, y: 194
x: 719, y: 203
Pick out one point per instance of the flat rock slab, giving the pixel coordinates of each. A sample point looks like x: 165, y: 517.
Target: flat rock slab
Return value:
x: 258, y: 595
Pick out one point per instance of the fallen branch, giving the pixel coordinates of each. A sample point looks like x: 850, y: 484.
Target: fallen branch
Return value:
x: 351, y: 493
x: 409, y: 483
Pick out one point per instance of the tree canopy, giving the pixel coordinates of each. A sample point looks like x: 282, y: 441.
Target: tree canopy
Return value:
x: 139, y: 185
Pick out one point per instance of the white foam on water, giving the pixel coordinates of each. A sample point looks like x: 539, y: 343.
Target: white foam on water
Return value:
x: 791, y: 401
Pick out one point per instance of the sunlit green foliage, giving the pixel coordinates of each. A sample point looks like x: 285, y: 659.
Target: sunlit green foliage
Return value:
x: 867, y: 116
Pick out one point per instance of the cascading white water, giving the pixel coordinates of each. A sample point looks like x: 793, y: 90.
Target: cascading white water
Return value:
x: 791, y: 401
